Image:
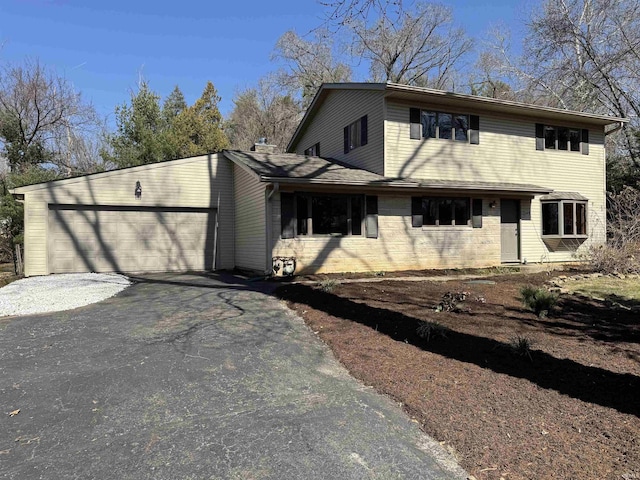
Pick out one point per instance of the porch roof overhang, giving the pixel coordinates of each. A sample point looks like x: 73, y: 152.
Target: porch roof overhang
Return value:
x: 303, y: 171
x: 414, y: 187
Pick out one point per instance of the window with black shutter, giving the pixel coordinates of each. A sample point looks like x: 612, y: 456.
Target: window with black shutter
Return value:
x: 444, y: 125
x: 356, y: 134
x: 568, y: 139
x: 440, y: 211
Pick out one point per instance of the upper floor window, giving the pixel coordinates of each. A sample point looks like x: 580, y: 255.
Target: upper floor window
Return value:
x: 356, y: 134
x: 550, y: 137
x: 448, y: 126
x: 313, y: 150
x: 564, y: 218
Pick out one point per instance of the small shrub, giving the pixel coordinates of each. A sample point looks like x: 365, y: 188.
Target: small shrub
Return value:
x: 429, y: 330
x: 328, y: 285
x: 380, y: 273
x: 521, y: 346
x: 538, y: 300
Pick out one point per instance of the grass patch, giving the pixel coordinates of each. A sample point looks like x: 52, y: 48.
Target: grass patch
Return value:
x: 7, y: 274
x: 606, y: 287
x: 6, y: 267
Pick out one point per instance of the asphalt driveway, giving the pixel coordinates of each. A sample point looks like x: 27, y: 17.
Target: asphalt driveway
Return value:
x: 193, y: 377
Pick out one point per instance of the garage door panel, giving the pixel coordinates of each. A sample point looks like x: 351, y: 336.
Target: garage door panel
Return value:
x: 86, y: 238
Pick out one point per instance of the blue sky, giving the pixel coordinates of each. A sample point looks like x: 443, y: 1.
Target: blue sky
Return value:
x: 103, y: 46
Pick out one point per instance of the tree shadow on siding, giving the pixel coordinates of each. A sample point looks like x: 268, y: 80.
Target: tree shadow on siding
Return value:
x: 586, y: 383
x: 89, y: 209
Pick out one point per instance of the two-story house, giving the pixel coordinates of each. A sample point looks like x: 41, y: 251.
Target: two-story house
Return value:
x: 468, y: 182
x: 379, y: 177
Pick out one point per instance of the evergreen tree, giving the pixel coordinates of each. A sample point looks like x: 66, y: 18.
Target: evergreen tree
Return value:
x: 147, y: 133
x: 173, y: 105
x: 198, y: 129
x: 141, y: 131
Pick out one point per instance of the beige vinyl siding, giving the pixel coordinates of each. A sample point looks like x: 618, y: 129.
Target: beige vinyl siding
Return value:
x: 250, y: 221
x: 107, y: 238
x: 506, y: 153
x: 35, y: 237
x: 399, y: 246
x: 195, y: 182
x: 341, y: 108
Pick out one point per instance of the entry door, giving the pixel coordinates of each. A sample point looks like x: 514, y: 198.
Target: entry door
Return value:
x: 510, y: 230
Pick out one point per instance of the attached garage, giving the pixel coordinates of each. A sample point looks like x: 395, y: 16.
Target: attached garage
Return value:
x: 180, y: 218
x: 86, y: 238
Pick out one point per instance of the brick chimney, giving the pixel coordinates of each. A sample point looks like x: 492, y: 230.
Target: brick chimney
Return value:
x: 263, y: 147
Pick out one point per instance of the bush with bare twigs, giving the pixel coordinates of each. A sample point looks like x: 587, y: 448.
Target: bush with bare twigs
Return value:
x: 621, y: 253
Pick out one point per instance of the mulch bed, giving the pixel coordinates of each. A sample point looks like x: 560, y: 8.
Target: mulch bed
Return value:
x: 567, y: 408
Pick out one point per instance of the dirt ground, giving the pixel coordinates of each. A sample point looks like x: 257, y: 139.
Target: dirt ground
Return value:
x: 568, y: 408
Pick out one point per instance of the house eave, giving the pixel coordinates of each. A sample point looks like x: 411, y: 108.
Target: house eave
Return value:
x: 486, y: 104
x: 413, y: 186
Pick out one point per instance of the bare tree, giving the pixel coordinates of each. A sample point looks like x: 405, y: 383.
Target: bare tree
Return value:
x: 621, y: 253
x: 342, y: 12
x: 308, y: 63
x: 42, y: 118
x: 264, y: 111
x: 585, y: 55
x: 420, y: 46
x: 581, y: 55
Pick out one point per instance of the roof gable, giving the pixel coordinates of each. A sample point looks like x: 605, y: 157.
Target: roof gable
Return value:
x: 439, y: 97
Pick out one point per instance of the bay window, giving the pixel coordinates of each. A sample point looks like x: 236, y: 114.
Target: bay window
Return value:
x: 564, y: 218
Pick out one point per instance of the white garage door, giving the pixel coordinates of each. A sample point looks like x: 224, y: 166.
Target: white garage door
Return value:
x: 129, y: 239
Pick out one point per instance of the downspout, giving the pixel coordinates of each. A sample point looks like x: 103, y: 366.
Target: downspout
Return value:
x: 604, y: 154
x: 275, y: 189
x: 615, y: 129
x: 269, y: 246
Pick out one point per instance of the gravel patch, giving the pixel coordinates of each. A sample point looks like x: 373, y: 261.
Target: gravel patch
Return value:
x: 54, y: 293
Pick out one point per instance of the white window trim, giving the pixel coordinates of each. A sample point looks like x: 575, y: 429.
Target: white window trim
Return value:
x: 561, y: 204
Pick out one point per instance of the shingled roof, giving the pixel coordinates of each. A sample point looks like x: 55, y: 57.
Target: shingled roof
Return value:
x: 306, y: 169
x: 283, y: 167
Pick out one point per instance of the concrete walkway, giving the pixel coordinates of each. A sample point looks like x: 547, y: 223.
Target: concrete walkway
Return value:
x: 194, y: 377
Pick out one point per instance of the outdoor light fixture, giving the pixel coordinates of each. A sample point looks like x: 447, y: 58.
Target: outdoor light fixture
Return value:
x: 138, y: 189
x: 493, y: 204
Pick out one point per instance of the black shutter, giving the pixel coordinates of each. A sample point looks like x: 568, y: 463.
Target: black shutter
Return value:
x: 346, y: 139
x: 287, y: 218
x: 414, y: 120
x: 476, y: 213
x: 318, y: 149
x: 301, y: 215
x: 363, y: 131
x: 474, y: 129
x: 371, y: 218
x: 539, y: 136
x: 584, y: 142
x: 416, y: 211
